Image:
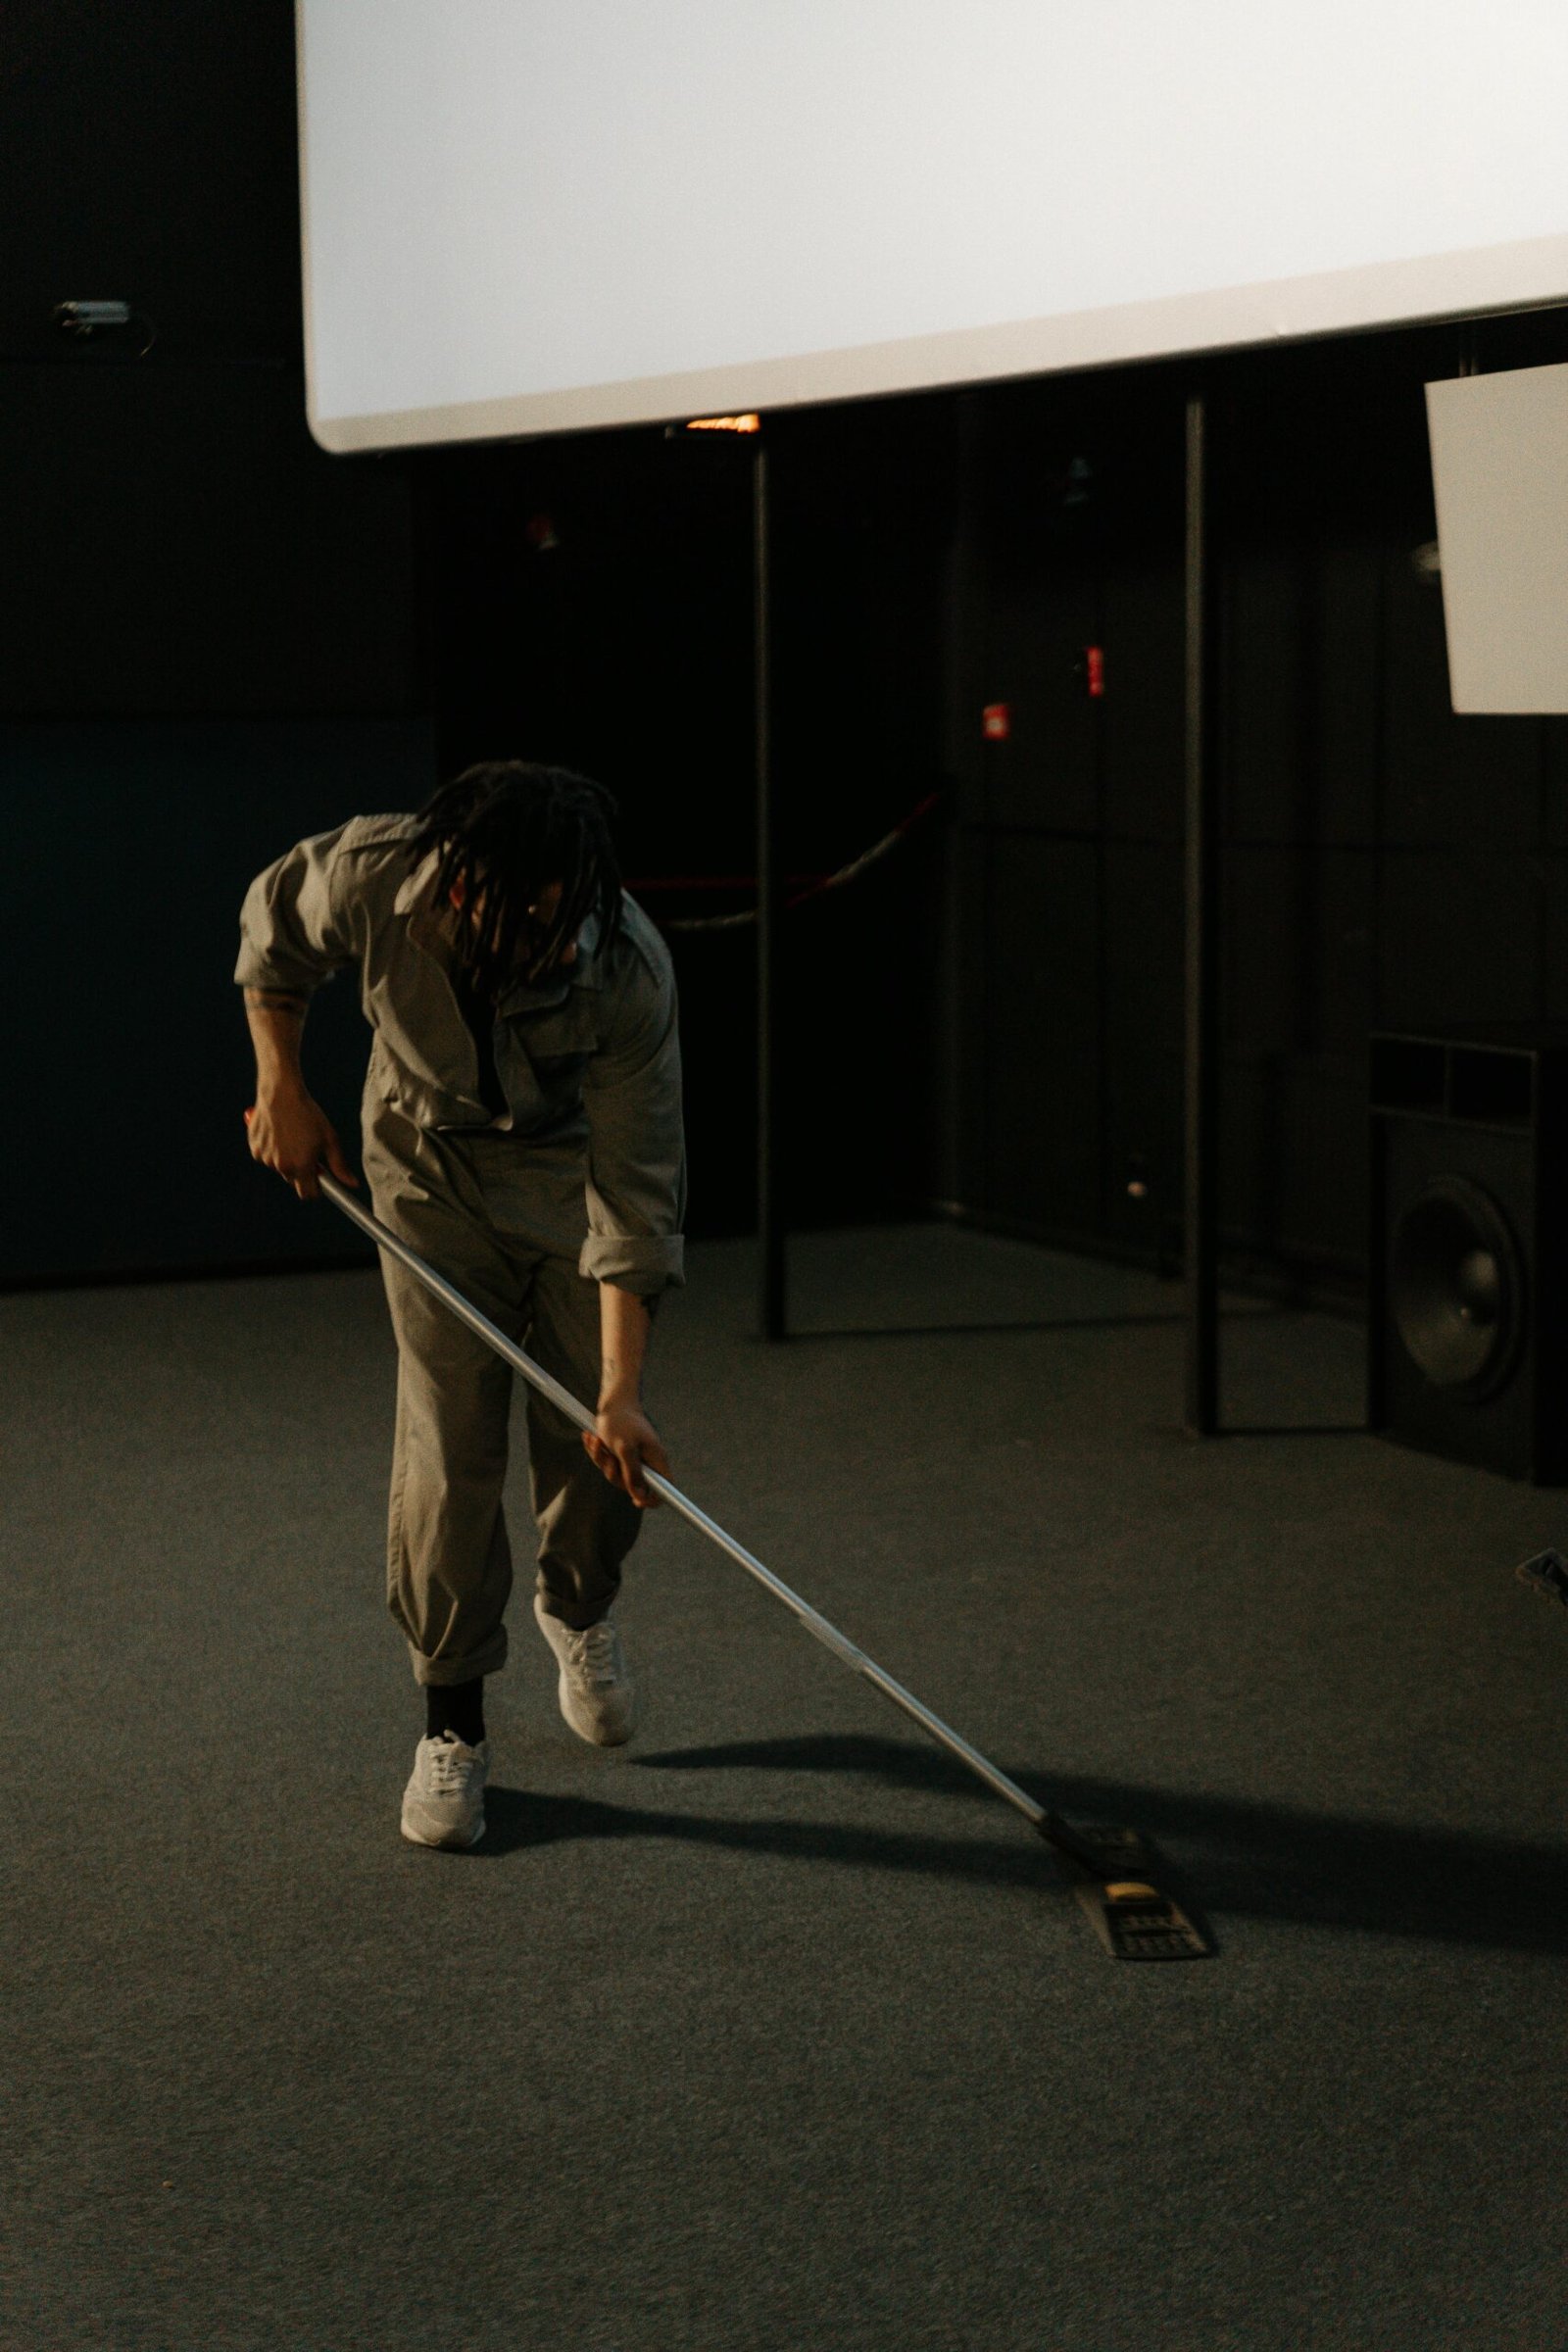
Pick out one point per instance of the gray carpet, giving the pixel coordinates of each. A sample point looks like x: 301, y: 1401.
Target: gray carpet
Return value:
x: 776, y: 2030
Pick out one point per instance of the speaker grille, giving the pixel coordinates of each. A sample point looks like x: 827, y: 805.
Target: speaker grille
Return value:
x: 1456, y: 1288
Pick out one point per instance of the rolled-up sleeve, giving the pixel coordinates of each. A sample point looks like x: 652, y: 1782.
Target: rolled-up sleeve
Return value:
x: 296, y: 927
x: 636, y: 1143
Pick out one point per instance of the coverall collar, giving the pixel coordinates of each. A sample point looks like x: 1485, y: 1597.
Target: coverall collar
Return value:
x: 433, y: 928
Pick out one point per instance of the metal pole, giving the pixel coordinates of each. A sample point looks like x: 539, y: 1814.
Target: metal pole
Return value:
x: 1132, y: 1920
x: 770, y: 1222
x: 1056, y: 1832
x: 1202, y: 1086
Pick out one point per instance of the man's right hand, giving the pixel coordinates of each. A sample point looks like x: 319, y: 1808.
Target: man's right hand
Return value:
x: 291, y: 1133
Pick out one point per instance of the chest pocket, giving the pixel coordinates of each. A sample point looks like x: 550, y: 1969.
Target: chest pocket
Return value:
x: 562, y: 1032
x: 540, y: 1059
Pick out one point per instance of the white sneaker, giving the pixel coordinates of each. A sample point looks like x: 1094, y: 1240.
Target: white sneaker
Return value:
x: 597, y: 1697
x: 443, y: 1803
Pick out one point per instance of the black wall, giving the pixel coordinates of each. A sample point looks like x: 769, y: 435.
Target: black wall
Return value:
x: 594, y: 604
x: 212, y: 641
x: 220, y: 638
x: 1385, y: 863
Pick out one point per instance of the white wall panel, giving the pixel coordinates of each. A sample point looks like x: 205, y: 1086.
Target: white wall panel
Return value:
x: 1499, y: 466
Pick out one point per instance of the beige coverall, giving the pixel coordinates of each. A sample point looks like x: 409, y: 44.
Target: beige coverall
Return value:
x: 580, y: 1178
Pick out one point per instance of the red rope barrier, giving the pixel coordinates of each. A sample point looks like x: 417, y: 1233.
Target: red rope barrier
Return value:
x: 803, y: 886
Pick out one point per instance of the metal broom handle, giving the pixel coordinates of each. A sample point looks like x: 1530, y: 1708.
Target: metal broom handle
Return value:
x: 1055, y: 1832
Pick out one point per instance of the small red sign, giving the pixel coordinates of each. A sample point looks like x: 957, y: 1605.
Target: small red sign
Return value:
x: 1095, y: 669
x: 995, y: 721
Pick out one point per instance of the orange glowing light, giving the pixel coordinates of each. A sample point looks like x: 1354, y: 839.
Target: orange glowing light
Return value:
x: 725, y: 425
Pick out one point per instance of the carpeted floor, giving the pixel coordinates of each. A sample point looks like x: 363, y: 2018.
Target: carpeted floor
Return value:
x: 776, y: 2033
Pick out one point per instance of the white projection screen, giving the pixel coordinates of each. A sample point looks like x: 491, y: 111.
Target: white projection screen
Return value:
x: 535, y: 216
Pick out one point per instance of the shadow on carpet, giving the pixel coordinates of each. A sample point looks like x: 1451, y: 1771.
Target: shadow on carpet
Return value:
x: 1243, y: 1859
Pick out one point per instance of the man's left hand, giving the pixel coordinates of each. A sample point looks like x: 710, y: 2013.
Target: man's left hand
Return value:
x: 620, y: 1443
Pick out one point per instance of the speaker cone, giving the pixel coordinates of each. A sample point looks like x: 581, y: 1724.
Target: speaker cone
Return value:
x: 1454, y: 1287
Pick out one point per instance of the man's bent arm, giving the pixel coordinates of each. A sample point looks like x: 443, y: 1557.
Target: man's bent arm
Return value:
x: 288, y: 1131
x: 623, y: 1442
x: 625, y: 1322
x: 277, y: 1019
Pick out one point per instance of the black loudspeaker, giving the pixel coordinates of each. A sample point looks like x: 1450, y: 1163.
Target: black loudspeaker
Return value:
x: 1468, y: 1323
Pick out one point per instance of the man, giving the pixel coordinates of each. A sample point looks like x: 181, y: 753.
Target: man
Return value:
x: 521, y: 1130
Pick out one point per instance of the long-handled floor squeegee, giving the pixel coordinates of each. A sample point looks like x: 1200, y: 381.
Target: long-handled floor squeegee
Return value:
x: 1134, y: 1919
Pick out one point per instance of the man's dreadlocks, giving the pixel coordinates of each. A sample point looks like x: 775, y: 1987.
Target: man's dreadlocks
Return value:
x: 504, y: 831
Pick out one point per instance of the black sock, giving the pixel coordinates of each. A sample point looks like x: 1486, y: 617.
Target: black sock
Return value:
x: 454, y: 1707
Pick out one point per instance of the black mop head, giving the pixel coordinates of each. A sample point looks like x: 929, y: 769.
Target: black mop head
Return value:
x: 1132, y: 1917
